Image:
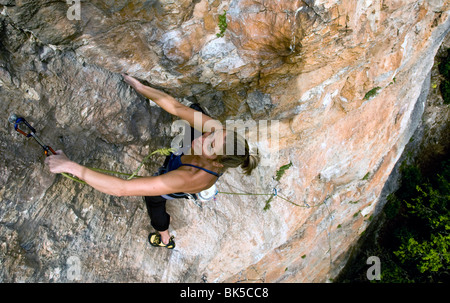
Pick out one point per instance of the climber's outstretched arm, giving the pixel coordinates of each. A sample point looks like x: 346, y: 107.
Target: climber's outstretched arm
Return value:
x: 171, y: 182
x: 195, y: 118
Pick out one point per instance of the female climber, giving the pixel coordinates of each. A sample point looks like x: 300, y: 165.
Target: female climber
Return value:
x: 198, y: 169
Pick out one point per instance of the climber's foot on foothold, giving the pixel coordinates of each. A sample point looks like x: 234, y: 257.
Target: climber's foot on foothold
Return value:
x: 155, y: 240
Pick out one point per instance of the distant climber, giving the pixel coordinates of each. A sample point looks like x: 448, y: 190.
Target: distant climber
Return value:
x: 193, y: 171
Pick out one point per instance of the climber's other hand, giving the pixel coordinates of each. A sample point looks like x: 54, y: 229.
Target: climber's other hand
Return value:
x: 131, y: 81
x: 58, y: 163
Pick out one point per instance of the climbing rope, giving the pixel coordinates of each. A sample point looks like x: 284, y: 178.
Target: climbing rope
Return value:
x: 272, y: 195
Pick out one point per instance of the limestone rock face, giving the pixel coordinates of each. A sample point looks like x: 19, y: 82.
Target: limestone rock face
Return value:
x: 343, y: 79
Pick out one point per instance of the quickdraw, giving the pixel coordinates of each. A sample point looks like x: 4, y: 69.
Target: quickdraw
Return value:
x: 17, y: 121
x: 275, y: 192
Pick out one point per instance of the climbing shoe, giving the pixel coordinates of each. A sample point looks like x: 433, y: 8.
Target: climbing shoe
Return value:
x: 155, y: 240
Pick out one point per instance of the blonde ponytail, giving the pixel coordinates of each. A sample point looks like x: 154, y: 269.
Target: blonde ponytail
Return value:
x: 250, y: 163
x: 245, y: 160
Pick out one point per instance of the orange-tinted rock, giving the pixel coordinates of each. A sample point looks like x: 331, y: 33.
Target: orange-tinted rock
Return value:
x: 308, y: 64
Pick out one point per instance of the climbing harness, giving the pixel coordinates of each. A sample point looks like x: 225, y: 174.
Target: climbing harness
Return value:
x: 17, y: 121
x: 203, y: 196
x: 208, y: 194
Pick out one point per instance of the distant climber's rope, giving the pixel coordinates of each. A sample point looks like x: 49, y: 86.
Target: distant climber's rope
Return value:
x: 272, y: 195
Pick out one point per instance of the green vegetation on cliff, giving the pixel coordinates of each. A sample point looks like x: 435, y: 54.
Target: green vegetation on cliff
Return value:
x: 413, y: 244
x: 444, y: 70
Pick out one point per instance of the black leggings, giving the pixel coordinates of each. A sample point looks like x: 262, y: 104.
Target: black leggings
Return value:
x: 156, y: 205
x: 156, y: 208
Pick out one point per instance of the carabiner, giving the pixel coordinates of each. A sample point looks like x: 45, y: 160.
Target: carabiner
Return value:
x: 18, y: 120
